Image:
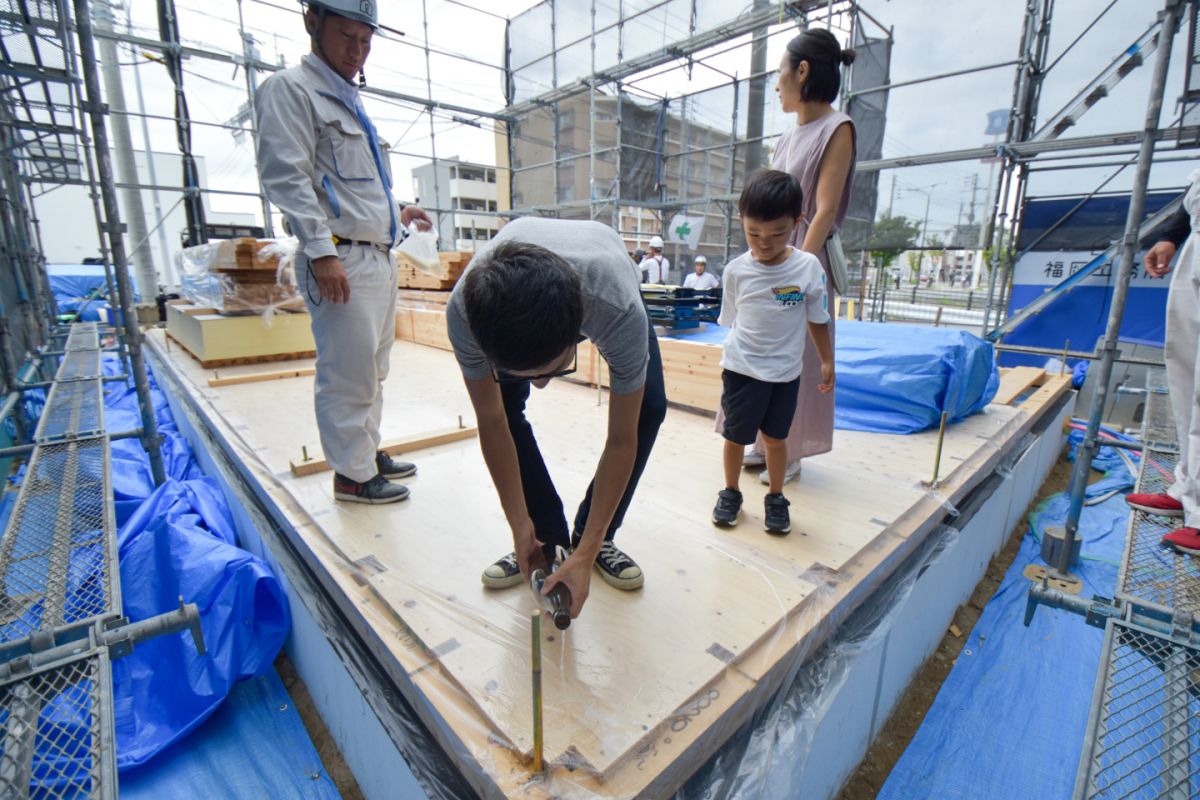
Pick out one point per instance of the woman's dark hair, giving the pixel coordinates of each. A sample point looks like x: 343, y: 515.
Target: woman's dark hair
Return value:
x: 771, y: 195
x: 524, y: 306
x: 825, y: 58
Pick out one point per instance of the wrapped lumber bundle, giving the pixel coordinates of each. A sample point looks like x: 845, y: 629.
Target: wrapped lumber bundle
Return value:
x: 241, y: 276
x: 414, y: 275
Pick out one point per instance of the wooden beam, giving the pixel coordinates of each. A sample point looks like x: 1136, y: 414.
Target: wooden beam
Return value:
x: 256, y: 377
x: 407, y: 445
x: 1016, y: 381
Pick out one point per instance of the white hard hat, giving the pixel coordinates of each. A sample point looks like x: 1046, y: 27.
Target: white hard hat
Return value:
x: 656, y: 242
x: 364, y: 11
x: 701, y: 259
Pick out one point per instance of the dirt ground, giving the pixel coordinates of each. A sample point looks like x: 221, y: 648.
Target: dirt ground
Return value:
x: 871, y: 774
x: 867, y: 780
x: 327, y: 749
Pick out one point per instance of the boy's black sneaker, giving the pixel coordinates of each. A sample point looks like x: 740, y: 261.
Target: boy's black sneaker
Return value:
x: 729, y: 506
x: 393, y: 469
x: 778, y: 521
x: 376, y: 491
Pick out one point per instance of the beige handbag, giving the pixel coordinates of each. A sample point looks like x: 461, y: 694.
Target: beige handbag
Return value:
x: 837, y: 264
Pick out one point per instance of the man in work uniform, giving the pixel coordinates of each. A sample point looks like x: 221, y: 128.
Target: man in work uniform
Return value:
x: 515, y: 319
x: 701, y: 279
x: 321, y: 163
x: 656, y: 265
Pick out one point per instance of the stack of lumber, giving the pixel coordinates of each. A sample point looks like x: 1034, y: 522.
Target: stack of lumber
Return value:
x: 421, y: 317
x: 249, y: 283
x: 442, y: 278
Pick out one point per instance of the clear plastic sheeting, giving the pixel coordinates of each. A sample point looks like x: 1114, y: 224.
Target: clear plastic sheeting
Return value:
x: 207, y: 280
x: 769, y: 757
x: 254, y: 746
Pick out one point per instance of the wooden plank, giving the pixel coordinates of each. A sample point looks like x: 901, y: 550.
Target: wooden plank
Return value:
x: 217, y: 340
x: 1016, y: 381
x: 408, y: 445
x: 257, y: 377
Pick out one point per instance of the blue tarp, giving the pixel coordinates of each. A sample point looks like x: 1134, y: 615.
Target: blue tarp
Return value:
x: 897, y: 378
x: 1010, y: 719
x: 72, y: 284
x: 253, y: 746
x: 179, y: 541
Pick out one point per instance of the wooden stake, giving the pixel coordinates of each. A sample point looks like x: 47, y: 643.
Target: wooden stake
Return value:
x: 937, y: 320
x: 396, y: 447
x: 538, y: 765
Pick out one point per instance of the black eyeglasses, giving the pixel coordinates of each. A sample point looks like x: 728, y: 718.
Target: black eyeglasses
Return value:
x: 500, y: 376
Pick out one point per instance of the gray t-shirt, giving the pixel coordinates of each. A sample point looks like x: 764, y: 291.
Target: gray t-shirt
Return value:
x: 613, y: 315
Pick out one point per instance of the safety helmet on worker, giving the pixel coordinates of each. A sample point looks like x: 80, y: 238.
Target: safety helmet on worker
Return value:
x: 701, y: 259
x: 364, y: 11
x: 656, y: 243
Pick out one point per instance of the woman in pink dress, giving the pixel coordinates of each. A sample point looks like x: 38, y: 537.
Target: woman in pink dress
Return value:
x: 820, y: 152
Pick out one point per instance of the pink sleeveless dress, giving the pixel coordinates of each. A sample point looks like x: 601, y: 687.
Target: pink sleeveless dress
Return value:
x: 799, y: 152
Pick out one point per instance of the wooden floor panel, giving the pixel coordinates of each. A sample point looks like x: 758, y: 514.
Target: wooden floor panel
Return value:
x: 632, y: 665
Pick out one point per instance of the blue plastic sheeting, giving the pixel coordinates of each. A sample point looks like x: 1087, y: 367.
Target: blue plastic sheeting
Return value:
x: 1010, y: 718
x: 131, y: 476
x: 253, y: 746
x: 180, y: 544
x: 72, y: 285
x: 178, y: 541
x: 897, y: 378
x: 900, y: 378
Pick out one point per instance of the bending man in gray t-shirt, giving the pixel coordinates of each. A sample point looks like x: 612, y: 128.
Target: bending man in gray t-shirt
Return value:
x: 515, y: 319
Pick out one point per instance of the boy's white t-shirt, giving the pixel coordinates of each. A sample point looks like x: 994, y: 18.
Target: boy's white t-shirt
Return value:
x: 768, y: 309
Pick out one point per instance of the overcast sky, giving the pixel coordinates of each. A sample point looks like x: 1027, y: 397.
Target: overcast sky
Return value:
x: 931, y: 36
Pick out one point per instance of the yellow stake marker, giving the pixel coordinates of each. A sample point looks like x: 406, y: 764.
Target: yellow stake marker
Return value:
x: 538, y: 766
x: 937, y: 457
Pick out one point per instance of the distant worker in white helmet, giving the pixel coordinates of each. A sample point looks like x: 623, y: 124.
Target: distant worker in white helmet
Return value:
x: 701, y: 278
x: 322, y: 163
x: 656, y: 265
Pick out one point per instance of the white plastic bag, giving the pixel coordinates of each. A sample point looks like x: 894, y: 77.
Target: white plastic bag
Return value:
x: 420, y: 249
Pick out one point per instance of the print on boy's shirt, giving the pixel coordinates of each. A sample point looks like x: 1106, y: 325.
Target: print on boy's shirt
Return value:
x: 789, y: 296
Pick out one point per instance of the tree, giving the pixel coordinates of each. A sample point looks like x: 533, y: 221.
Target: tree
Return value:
x: 892, y: 236
x: 913, y: 257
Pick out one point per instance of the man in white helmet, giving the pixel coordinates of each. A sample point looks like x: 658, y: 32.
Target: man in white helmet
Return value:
x: 656, y: 265
x: 701, y: 278
x: 322, y: 163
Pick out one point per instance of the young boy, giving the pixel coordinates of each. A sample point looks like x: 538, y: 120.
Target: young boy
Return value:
x: 771, y: 294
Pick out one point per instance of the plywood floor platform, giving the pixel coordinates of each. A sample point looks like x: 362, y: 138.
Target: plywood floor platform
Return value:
x: 647, y: 684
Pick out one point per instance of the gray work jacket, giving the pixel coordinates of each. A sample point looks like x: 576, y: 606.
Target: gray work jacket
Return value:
x: 316, y: 162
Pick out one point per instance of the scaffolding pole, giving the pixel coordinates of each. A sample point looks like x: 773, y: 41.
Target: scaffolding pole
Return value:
x: 1124, y: 271
x: 94, y: 109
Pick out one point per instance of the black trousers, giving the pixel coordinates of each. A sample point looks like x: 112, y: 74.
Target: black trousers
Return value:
x: 541, y: 498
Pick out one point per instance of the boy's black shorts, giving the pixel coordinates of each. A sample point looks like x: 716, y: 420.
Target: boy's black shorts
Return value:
x: 751, y: 405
